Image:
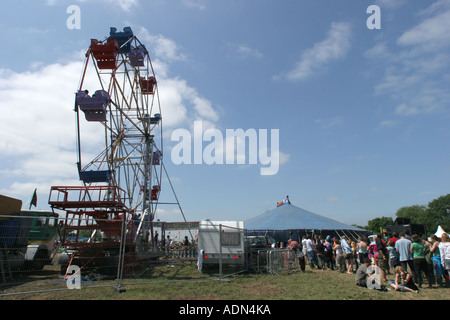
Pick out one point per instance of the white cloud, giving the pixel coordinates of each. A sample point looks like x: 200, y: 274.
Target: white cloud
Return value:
x: 438, y: 6
x: 37, y: 144
x: 390, y: 3
x: 416, y: 76
x: 406, y: 110
x: 36, y: 107
x: 199, y: 4
x: 379, y: 51
x: 388, y: 123
x: 183, y: 104
x: 330, y: 123
x: 284, y: 157
x: 332, y: 198
x: 125, y: 5
x: 243, y: 51
x: 163, y: 48
x: 167, y: 214
x: 333, y: 48
x: 430, y: 34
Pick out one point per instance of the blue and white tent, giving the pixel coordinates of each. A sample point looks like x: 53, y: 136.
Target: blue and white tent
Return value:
x: 288, y: 219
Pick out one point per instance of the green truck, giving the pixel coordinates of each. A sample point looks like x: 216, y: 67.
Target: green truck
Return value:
x: 27, y: 238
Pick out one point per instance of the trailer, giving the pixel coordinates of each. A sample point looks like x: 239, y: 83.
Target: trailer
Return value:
x: 221, y: 243
x: 27, y: 238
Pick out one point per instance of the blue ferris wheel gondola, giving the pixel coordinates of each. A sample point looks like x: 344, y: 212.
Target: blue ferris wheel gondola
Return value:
x: 123, y: 38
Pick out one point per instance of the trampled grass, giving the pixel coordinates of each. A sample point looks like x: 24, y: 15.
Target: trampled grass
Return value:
x: 182, y: 281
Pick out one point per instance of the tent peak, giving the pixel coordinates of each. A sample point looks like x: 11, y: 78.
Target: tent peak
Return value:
x: 290, y: 217
x: 284, y: 201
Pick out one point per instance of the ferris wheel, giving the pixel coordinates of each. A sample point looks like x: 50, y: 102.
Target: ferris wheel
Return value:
x: 109, y: 219
x: 118, y: 93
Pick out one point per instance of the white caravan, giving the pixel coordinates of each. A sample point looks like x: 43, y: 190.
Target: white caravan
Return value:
x: 221, y: 242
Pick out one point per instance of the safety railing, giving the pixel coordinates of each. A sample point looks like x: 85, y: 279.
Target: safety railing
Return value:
x: 181, y: 252
x: 86, y: 197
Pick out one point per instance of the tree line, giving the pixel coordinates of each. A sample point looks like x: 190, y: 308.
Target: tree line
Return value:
x: 436, y: 213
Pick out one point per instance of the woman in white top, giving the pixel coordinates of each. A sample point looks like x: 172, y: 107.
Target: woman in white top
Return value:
x: 444, y: 248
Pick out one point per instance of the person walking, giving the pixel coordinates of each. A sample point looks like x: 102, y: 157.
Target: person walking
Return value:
x: 329, y: 253
x: 393, y: 255
x: 438, y: 270
x: 383, y: 256
x: 320, y: 254
x: 420, y: 264
x: 310, y: 252
x: 348, y: 254
x: 297, y: 249
x: 403, y: 247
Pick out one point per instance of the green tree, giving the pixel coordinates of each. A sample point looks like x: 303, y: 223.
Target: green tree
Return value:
x: 436, y: 213
x: 416, y: 213
x: 375, y: 224
x: 439, y: 214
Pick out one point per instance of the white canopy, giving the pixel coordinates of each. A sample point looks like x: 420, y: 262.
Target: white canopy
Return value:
x: 439, y: 232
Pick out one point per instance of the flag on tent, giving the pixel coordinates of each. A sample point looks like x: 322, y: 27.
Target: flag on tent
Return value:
x: 34, y: 199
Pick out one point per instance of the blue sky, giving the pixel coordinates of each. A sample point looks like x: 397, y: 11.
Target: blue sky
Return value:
x: 363, y: 115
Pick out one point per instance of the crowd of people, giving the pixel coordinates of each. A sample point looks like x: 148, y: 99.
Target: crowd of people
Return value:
x: 412, y: 261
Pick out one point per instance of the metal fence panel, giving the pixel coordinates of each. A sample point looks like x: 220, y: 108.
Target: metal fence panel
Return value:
x: 39, y: 252
x: 281, y: 260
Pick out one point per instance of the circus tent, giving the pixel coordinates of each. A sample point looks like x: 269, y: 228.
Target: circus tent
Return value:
x: 286, y: 220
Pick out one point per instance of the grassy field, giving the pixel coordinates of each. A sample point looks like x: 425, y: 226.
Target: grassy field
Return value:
x: 183, y: 282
